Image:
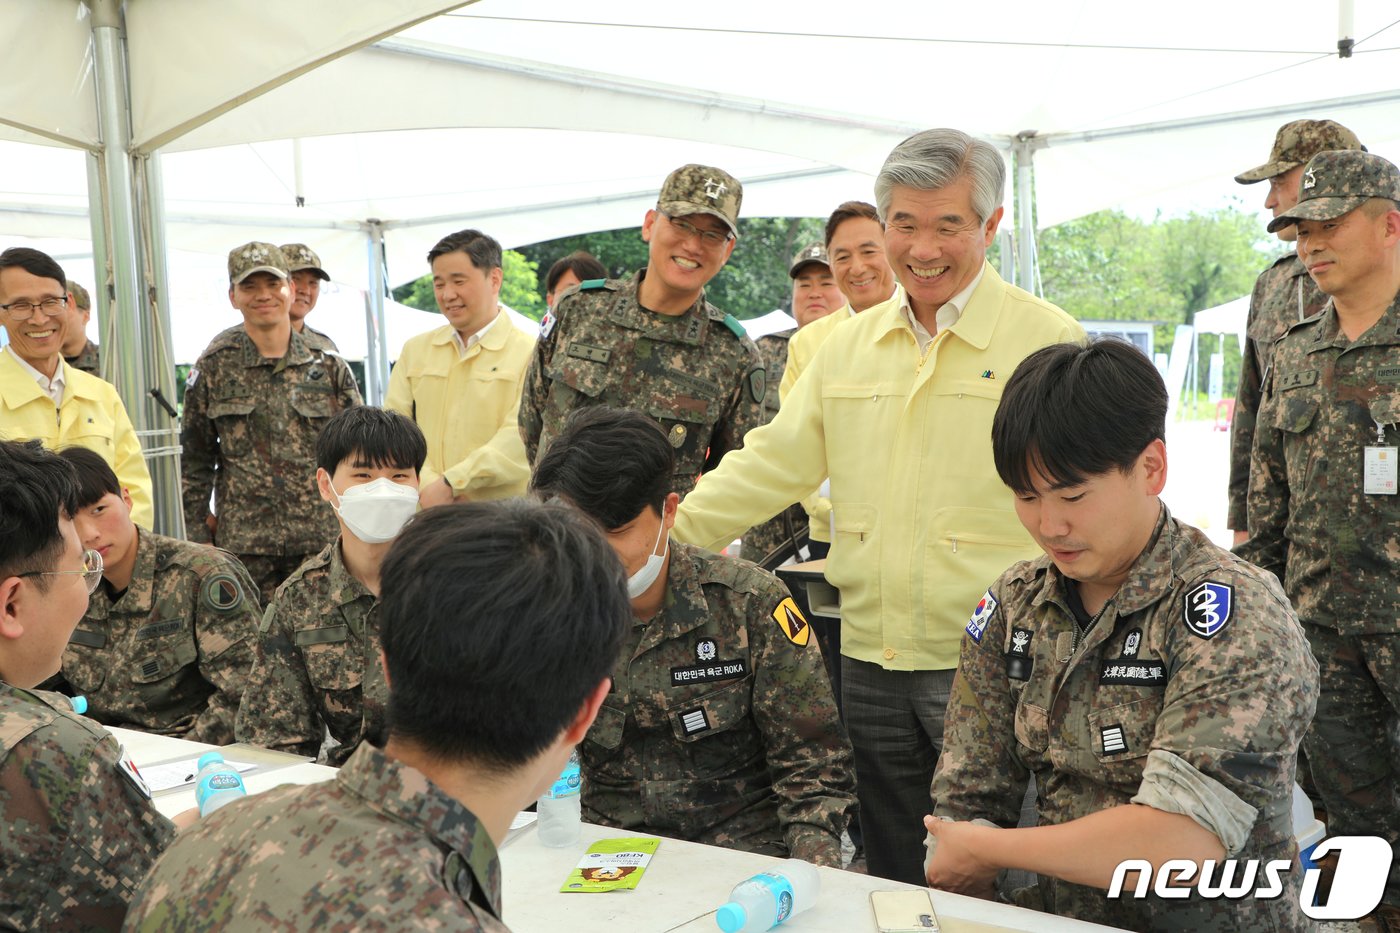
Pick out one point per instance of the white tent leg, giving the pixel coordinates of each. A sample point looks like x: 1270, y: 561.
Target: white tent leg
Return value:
x: 1024, y: 148
x: 376, y: 349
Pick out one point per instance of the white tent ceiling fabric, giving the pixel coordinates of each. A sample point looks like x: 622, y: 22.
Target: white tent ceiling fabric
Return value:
x: 541, y: 120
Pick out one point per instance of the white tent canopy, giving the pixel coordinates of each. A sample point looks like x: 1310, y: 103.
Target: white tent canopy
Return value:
x: 1229, y: 318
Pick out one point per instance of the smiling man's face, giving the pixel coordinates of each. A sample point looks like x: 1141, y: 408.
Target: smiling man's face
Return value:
x: 935, y: 241
x: 38, y: 340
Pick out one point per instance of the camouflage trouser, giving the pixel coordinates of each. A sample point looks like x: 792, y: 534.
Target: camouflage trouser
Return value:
x: 269, y: 570
x: 1354, y: 743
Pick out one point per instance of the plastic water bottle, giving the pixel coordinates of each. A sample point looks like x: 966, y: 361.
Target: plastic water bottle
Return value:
x: 217, y: 784
x: 766, y: 900
x: 560, y: 810
x: 79, y: 704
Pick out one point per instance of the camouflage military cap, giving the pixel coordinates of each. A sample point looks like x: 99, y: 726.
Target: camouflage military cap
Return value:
x: 1296, y: 143
x: 806, y: 256
x: 299, y: 256
x: 80, y: 295
x: 244, y: 260
x: 1338, y: 182
x: 702, y: 189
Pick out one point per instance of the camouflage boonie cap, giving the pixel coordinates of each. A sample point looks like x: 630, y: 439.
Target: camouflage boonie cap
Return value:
x: 299, y: 256
x: 80, y: 295
x: 702, y: 189
x: 244, y: 260
x: 1296, y: 143
x: 806, y: 256
x: 1337, y: 182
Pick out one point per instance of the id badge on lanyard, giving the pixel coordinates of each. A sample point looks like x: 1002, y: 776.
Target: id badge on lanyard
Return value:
x: 1382, y: 466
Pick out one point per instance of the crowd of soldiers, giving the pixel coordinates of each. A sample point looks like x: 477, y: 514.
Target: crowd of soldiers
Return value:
x: 520, y: 554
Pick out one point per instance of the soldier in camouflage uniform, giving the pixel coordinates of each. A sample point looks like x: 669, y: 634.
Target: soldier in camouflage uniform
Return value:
x: 255, y: 402
x: 1284, y: 293
x: 1323, y: 509
x: 307, y: 276
x: 167, y: 640
x: 316, y: 665
x: 406, y: 837
x: 78, y: 351
x: 653, y: 342
x: 1155, y: 685
x: 77, y: 827
x: 720, y: 727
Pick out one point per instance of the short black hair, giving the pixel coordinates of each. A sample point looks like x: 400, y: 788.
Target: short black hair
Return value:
x: 581, y: 263
x: 609, y: 462
x: 35, y: 263
x: 37, y: 488
x: 482, y: 250
x: 1072, y: 411
x: 375, y: 437
x: 93, y: 475
x: 847, y: 211
x: 498, y: 620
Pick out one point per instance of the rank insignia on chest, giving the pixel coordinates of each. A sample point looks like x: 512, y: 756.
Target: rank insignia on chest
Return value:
x: 790, y: 620
x: 1113, y: 740
x: 705, y: 649
x: 981, y: 616
x: 1019, y: 662
x: 694, y: 720
x: 1206, y: 609
x: 1131, y: 643
x: 677, y: 435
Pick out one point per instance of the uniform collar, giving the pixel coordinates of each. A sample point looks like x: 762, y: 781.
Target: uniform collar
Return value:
x: 1384, y: 333
x: 685, y: 608
x: 688, y: 328
x: 406, y: 795
x: 346, y: 588
x: 298, y: 352
x: 139, y: 597
x: 1146, y: 582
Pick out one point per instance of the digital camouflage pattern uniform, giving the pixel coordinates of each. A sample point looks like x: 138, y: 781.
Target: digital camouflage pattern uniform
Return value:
x: 379, y: 847
x: 171, y: 654
x: 77, y: 834
x: 760, y: 540
x: 299, y: 257
x: 1335, y: 546
x: 316, y: 664
x: 720, y: 727
x: 1284, y: 294
x: 1189, y: 693
x: 88, y: 360
x: 250, y: 428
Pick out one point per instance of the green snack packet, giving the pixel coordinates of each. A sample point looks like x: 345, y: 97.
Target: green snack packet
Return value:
x: 611, y: 865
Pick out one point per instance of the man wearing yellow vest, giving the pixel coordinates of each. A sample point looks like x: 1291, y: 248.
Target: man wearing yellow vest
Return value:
x: 461, y: 383
x: 913, y: 381
x: 44, y: 398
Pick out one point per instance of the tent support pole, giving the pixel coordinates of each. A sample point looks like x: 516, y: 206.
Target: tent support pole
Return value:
x: 376, y: 348
x: 1024, y: 147
x: 127, y: 352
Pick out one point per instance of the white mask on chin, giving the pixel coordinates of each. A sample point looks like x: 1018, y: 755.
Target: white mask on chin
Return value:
x: 376, y: 512
x: 641, y: 581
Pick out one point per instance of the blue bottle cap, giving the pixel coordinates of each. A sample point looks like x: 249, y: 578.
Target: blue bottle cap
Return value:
x: 79, y: 704
x: 208, y: 757
x: 731, y: 917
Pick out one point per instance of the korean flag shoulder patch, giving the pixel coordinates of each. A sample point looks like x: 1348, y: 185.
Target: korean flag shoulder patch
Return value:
x: 981, y: 616
x: 1206, y: 608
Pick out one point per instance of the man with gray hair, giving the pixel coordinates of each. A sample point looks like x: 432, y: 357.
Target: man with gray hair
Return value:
x: 917, y: 378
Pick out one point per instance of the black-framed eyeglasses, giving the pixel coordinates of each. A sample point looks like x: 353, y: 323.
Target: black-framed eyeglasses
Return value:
x: 24, y: 310
x: 710, y: 238
x: 92, y: 570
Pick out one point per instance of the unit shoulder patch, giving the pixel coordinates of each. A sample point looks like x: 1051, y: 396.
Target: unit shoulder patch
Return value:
x: 222, y: 592
x: 790, y: 620
x: 1206, y: 608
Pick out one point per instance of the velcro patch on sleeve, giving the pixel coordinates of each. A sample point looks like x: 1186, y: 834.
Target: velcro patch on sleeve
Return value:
x: 981, y: 616
x: 222, y: 592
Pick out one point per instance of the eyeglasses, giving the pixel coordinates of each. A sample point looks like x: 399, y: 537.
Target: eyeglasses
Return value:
x: 92, y: 570
x: 24, y: 310
x: 711, y: 239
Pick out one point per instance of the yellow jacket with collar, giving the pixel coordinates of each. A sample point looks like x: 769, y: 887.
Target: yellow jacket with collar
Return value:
x: 466, y: 407
x: 92, y: 415
x: 922, y: 521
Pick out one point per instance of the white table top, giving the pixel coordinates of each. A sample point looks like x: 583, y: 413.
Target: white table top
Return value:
x: 686, y: 882
x: 147, y: 749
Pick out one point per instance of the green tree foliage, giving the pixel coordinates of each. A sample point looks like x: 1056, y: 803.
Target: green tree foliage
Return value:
x: 518, y: 288
x: 752, y: 283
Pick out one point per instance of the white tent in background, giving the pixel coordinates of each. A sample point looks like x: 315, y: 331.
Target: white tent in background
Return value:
x: 1229, y: 318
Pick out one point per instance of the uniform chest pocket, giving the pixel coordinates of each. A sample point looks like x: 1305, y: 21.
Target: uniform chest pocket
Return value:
x: 1124, y: 732
x: 716, y: 730
x: 85, y: 660
x: 161, y: 661
x: 314, y: 404
x: 334, y: 661
x: 606, y: 731
x: 1296, y: 412
x: 1295, y: 418
x: 1385, y: 409
x: 1032, y: 725
x: 233, y: 419
x: 574, y: 376
x: 94, y: 430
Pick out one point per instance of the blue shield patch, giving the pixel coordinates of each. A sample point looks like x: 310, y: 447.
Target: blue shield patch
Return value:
x: 1207, y: 609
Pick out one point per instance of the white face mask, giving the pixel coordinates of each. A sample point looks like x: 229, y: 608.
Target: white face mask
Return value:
x: 641, y: 581
x: 376, y: 511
